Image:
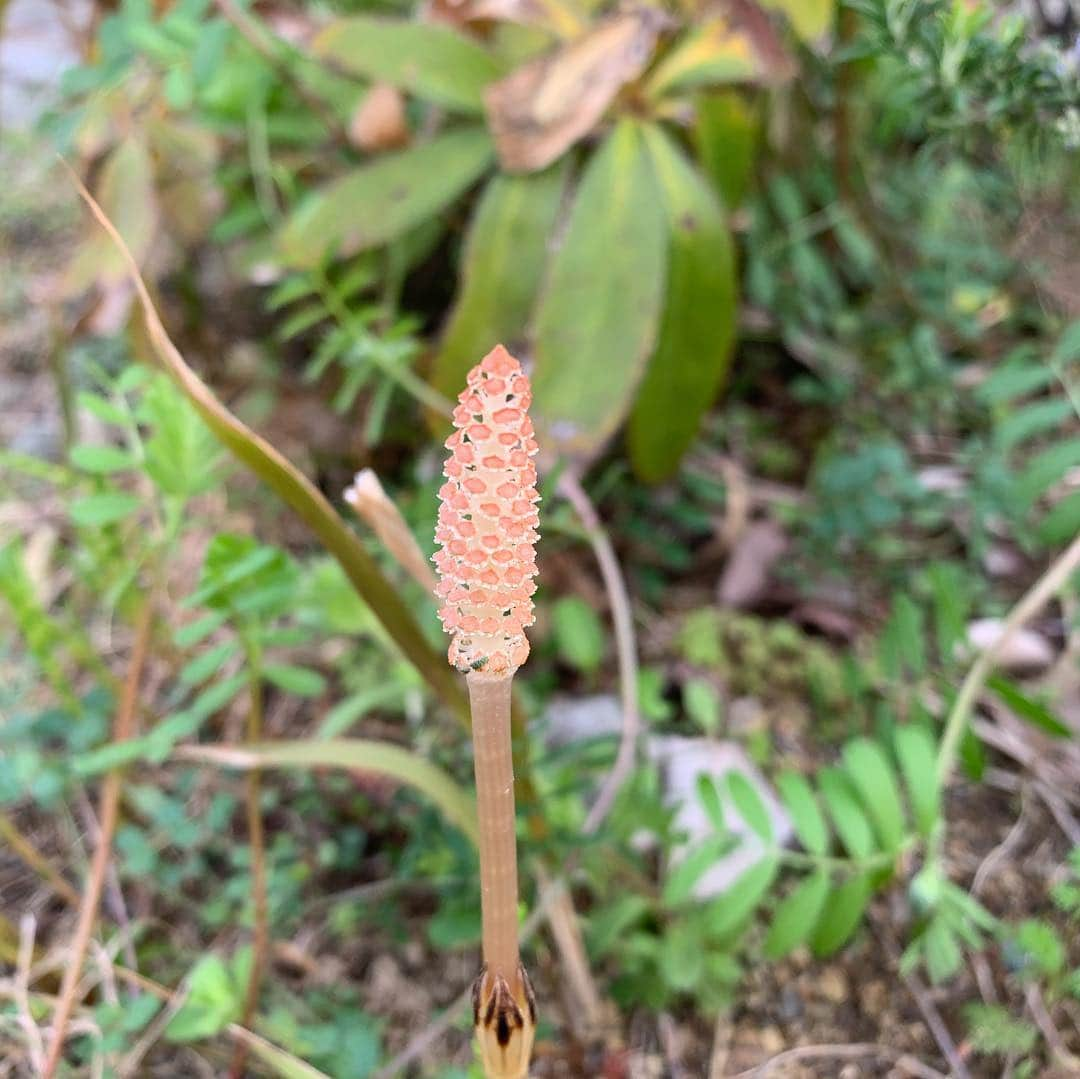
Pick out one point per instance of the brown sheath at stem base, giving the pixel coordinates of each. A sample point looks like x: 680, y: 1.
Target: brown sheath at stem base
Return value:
x: 504, y: 1017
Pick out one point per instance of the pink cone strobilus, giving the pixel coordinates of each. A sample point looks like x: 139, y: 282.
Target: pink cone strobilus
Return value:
x: 487, y: 531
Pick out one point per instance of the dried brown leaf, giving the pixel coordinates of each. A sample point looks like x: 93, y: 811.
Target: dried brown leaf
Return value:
x: 544, y: 107
x: 379, y: 122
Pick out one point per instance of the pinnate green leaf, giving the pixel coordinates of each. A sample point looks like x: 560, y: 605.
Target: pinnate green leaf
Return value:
x: 797, y: 915
x: 806, y: 816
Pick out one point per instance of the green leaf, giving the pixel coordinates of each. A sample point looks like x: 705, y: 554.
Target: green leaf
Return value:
x: 731, y: 910
x: 727, y: 134
x: 380, y: 201
x: 299, y: 680
x: 682, y: 958
x: 579, y: 633
x: 107, y: 508
x: 193, y: 632
x: 797, y: 914
x: 941, y: 951
x: 382, y: 758
x: 1068, y: 347
x: 102, y: 460
x: 712, y: 51
x: 843, y: 911
x: 711, y: 801
x: 1062, y: 522
x: 212, y: 1003
x: 1037, y: 714
x: 749, y: 804
x: 847, y: 816
x: 207, y: 663
x: 1049, y: 466
x: 870, y: 770
x: 1042, y: 947
x: 681, y: 880
x: 697, y: 330
x: 702, y: 704
x: 901, y: 648
x: 1030, y: 420
x: 806, y: 816
x: 599, y: 314
x: 505, y: 255
x: 182, y: 456
x: 426, y: 59
x: 993, y: 1029
x: 917, y: 755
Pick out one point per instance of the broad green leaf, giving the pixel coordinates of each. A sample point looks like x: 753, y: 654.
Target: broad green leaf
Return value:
x: 916, y: 753
x: 702, y: 704
x: 716, y: 51
x: 844, y: 908
x: 106, y: 508
x: 505, y: 255
x: 1068, y: 347
x: 711, y: 801
x: 426, y: 59
x: 749, y: 804
x: 1049, y: 466
x: 809, y: 18
x: 102, y: 460
x: 873, y: 777
x: 797, y: 915
x: 207, y: 663
x: 847, y: 816
x: 299, y: 680
x: 395, y: 762
x: 377, y: 202
x: 193, y: 632
x: 1027, y: 708
x: 1032, y: 419
x: 697, y: 331
x: 600, y: 310
x: 806, y: 816
x: 941, y: 950
x: 727, y: 134
x: 731, y: 910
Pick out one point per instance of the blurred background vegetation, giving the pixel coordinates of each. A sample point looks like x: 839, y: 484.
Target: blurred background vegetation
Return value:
x: 798, y: 760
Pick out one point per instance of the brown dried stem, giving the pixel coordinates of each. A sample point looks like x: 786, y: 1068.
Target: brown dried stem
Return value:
x: 20, y: 845
x: 110, y: 804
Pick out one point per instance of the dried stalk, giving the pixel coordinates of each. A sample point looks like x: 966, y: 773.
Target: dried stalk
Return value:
x: 110, y: 805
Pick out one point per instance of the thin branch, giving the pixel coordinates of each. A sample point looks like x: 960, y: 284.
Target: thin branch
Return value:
x: 842, y: 1052
x: 260, y: 946
x: 1032, y: 602
x: 625, y: 646
x: 110, y: 805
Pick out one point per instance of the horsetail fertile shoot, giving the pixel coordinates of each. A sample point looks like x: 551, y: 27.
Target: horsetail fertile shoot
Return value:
x: 487, y: 532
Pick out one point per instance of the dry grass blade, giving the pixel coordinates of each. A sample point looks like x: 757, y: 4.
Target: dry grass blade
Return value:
x: 110, y: 803
x: 294, y: 488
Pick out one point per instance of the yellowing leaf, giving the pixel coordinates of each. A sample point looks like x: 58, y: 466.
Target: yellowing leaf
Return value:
x: 504, y: 260
x: 428, y: 60
x: 600, y: 310
x: 809, y: 18
x: 541, y: 109
x: 698, y: 328
x: 378, y: 202
x: 714, y: 52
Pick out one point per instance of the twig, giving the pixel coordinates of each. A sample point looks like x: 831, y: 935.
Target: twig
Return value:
x: 9, y: 832
x: 110, y: 804
x: 842, y: 1052
x: 957, y: 1068
x: 1032, y: 602
x: 721, y: 1047
x: 989, y: 863
x: 625, y: 646
x: 1065, y: 820
x: 665, y: 1027
x: 260, y: 946
x: 1037, y: 1007
x: 21, y: 992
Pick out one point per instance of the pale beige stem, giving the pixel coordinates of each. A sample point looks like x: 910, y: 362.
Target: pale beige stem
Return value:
x: 490, y: 699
